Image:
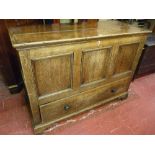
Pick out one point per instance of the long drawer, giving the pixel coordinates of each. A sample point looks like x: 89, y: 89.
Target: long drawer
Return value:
x: 76, y: 103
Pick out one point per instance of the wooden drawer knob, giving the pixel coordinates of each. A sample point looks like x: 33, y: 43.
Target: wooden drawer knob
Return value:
x: 114, y: 90
x: 66, y: 107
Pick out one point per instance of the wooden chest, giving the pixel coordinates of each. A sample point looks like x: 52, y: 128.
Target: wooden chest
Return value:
x: 72, y: 68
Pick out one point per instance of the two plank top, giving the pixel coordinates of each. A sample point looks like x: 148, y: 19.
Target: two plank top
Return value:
x: 27, y: 36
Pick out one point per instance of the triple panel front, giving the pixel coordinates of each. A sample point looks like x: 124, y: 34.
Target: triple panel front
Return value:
x: 64, y: 71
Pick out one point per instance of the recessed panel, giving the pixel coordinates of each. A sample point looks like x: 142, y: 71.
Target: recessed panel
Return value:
x: 94, y: 65
x: 53, y: 74
x: 125, y: 58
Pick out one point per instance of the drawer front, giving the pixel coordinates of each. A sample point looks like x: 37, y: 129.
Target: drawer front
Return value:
x: 74, y: 104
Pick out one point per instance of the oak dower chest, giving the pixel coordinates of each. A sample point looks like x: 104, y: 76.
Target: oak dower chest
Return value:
x: 68, y: 69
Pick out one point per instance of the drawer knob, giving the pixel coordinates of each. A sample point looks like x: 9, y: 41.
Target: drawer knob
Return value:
x: 66, y: 107
x: 113, y: 90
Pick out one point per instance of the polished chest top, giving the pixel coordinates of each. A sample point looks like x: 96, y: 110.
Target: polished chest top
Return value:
x: 39, y: 34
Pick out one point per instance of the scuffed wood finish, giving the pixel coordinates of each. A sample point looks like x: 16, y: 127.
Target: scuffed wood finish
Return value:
x: 29, y: 80
x: 71, y: 69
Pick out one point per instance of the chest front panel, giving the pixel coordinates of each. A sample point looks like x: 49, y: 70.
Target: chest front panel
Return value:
x: 77, y: 76
x: 125, y: 58
x: 53, y: 74
x: 65, y: 70
x: 94, y: 64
